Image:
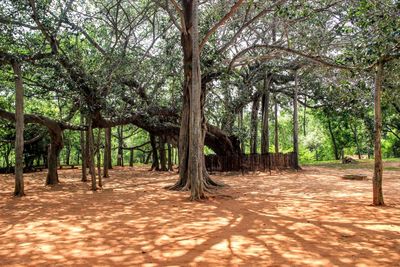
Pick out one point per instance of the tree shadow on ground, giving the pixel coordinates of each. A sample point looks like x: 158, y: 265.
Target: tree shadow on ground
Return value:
x: 309, y: 218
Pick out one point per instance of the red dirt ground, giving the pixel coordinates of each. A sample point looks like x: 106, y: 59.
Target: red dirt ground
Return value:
x: 309, y: 218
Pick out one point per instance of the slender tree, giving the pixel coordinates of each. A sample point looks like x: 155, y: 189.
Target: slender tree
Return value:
x: 19, y: 127
x: 265, y: 116
x: 296, y: 120
x: 276, y: 126
x: 378, y: 169
x: 107, y: 152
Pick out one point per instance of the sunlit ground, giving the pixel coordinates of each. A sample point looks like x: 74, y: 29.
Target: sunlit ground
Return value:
x: 309, y: 218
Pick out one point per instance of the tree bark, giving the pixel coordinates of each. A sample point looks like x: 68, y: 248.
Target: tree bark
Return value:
x: 83, y: 151
x: 155, y: 164
x: 91, y: 154
x: 120, y: 159
x: 19, y: 128
x: 193, y: 175
x: 107, y: 152
x: 254, y: 125
x: 296, y: 122
x: 378, y: 167
x: 170, y: 164
x: 99, y: 158
x: 163, y: 158
x: 265, y: 117
x: 240, y: 124
x: 109, y: 142
x: 56, y: 144
x: 131, y: 159
x: 276, y: 127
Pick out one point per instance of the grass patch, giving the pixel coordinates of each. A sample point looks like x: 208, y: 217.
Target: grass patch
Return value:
x: 361, y: 164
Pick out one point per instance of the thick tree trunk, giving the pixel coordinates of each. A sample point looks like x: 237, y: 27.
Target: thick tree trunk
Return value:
x: 254, y: 125
x: 276, y: 127
x: 296, y: 122
x: 335, y: 147
x: 19, y: 128
x: 56, y: 144
x: 378, y: 168
x: 193, y: 175
x: 83, y: 152
x: 156, y: 163
x: 265, y: 117
x: 107, y: 152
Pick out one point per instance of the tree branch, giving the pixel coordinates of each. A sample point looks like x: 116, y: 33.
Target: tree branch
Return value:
x: 315, y: 59
x: 233, y: 10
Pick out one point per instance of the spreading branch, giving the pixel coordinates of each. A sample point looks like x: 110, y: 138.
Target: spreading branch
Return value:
x: 228, y: 15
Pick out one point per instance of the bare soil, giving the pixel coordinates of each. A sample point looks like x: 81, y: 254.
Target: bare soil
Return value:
x: 307, y: 218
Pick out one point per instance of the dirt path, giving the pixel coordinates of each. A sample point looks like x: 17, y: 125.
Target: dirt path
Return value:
x: 310, y: 218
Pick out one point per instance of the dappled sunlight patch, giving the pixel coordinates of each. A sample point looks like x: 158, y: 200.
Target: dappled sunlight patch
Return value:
x: 309, y: 218
x: 381, y: 227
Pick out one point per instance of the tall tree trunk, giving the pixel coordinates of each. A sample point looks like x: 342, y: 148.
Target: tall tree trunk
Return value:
x: 296, y: 122
x: 109, y: 143
x: 155, y: 164
x: 193, y: 175
x: 83, y: 151
x: 91, y: 154
x: 131, y: 159
x: 107, y: 152
x: 163, y: 158
x: 276, y: 127
x: 254, y: 125
x: 335, y: 147
x: 170, y: 165
x: 378, y: 168
x: 120, y: 159
x: 265, y: 117
x: 56, y: 144
x: 87, y: 151
x: 99, y: 158
x: 19, y: 128
x: 240, y: 125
